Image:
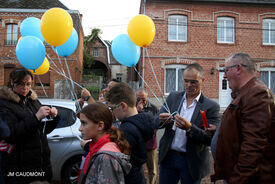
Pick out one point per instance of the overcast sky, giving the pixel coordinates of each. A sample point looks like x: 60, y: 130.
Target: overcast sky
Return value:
x: 111, y: 16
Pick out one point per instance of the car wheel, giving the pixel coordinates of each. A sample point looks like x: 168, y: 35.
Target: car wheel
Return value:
x: 70, y: 170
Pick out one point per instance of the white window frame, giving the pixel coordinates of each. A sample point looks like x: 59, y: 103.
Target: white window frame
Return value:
x: 95, y: 52
x: 224, y: 29
x: 11, y: 32
x: 119, y: 76
x: 173, y: 66
x: 177, y: 17
x: 269, y: 70
x: 269, y: 21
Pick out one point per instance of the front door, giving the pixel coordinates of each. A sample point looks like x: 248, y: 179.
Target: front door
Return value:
x: 224, y: 92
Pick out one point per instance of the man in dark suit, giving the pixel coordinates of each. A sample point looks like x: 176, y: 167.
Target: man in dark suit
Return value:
x: 184, y: 147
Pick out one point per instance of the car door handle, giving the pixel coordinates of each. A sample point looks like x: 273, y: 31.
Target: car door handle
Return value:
x: 56, y: 138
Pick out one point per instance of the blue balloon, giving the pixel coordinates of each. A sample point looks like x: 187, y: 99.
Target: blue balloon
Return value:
x: 125, y: 51
x: 69, y: 46
x: 31, y: 52
x: 31, y: 27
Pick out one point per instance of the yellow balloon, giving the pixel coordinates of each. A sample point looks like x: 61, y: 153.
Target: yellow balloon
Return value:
x: 56, y: 26
x: 141, y: 30
x: 44, y: 68
x: 20, y: 38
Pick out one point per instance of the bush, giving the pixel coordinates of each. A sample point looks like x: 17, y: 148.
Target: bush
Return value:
x: 94, y: 91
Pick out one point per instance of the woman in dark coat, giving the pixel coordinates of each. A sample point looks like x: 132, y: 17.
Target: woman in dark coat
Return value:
x: 30, y: 158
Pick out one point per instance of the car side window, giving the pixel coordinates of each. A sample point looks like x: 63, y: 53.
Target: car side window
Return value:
x: 67, y: 117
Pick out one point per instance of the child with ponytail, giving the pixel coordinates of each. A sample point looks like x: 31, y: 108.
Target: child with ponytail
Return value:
x: 108, y: 159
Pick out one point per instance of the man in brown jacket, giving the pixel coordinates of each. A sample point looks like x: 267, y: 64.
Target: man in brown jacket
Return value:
x: 246, y: 141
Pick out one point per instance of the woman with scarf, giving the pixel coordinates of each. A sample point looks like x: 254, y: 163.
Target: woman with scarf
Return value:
x: 108, y: 158
x: 29, y: 160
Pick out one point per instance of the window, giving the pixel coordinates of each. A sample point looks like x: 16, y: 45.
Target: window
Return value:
x: 225, y: 30
x: 177, y: 28
x: 119, y: 77
x: 174, y: 78
x: 269, y: 31
x: 267, y: 75
x: 95, y: 52
x: 224, y: 84
x: 11, y: 37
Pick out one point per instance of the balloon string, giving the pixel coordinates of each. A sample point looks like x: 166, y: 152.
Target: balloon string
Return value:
x: 151, y: 90
x: 68, y: 69
x: 152, y: 68
x: 73, y: 97
x: 77, y: 103
x: 64, y: 74
x: 166, y: 121
x: 53, y: 63
x: 72, y: 83
x: 42, y: 86
x: 66, y: 77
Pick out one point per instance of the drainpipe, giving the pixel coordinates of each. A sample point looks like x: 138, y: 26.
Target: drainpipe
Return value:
x: 143, y: 53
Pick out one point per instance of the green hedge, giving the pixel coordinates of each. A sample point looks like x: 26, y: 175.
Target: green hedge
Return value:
x: 94, y: 91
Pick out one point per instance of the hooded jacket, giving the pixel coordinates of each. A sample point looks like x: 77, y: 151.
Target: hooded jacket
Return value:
x: 31, y: 151
x: 138, y: 129
x: 108, y: 165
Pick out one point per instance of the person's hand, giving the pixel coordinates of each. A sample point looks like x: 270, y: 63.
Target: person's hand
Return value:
x: 79, y: 102
x: 211, y: 130
x: 140, y: 106
x: 43, y: 112
x: 83, y: 142
x: 85, y: 93
x: 182, y: 123
x: 53, y: 112
x: 164, y: 116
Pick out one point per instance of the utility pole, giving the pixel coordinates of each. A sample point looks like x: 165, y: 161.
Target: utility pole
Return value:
x: 143, y: 53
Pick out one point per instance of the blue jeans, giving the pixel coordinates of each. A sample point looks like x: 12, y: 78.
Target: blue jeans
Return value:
x: 174, y: 168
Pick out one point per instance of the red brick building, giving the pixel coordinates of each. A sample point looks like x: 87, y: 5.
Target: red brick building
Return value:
x: 12, y: 13
x: 105, y: 64
x: 207, y: 32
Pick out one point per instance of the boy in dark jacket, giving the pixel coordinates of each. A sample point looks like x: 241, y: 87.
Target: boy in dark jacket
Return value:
x: 137, y: 128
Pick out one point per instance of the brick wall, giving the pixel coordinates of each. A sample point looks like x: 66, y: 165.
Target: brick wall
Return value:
x: 201, y: 45
x: 8, y: 54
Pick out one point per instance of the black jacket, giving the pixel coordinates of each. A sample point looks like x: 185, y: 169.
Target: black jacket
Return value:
x: 4, y: 129
x: 138, y: 129
x: 30, y: 159
x: 198, y: 142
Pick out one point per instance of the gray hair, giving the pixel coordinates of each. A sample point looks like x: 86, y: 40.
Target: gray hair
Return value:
x: 141, y: 90
x: 244, y: 59
x: 196, y: 66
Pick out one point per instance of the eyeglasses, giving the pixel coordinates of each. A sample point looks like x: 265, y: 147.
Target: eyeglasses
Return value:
x: 141, y: 99
x: 192, y: 82
x: 23, y: 84
x: 112, y: 108
x: 232, y: 66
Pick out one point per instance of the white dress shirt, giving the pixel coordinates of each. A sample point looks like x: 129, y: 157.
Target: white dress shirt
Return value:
x: 180, y: 139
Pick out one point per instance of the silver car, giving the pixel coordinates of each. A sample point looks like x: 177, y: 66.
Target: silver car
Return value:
x: 64, y: 142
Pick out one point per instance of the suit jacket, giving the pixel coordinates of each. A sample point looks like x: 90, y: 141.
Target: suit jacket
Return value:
x: 198, y: 142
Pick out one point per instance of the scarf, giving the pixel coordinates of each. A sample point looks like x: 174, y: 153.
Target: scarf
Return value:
x: 94, y: 147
